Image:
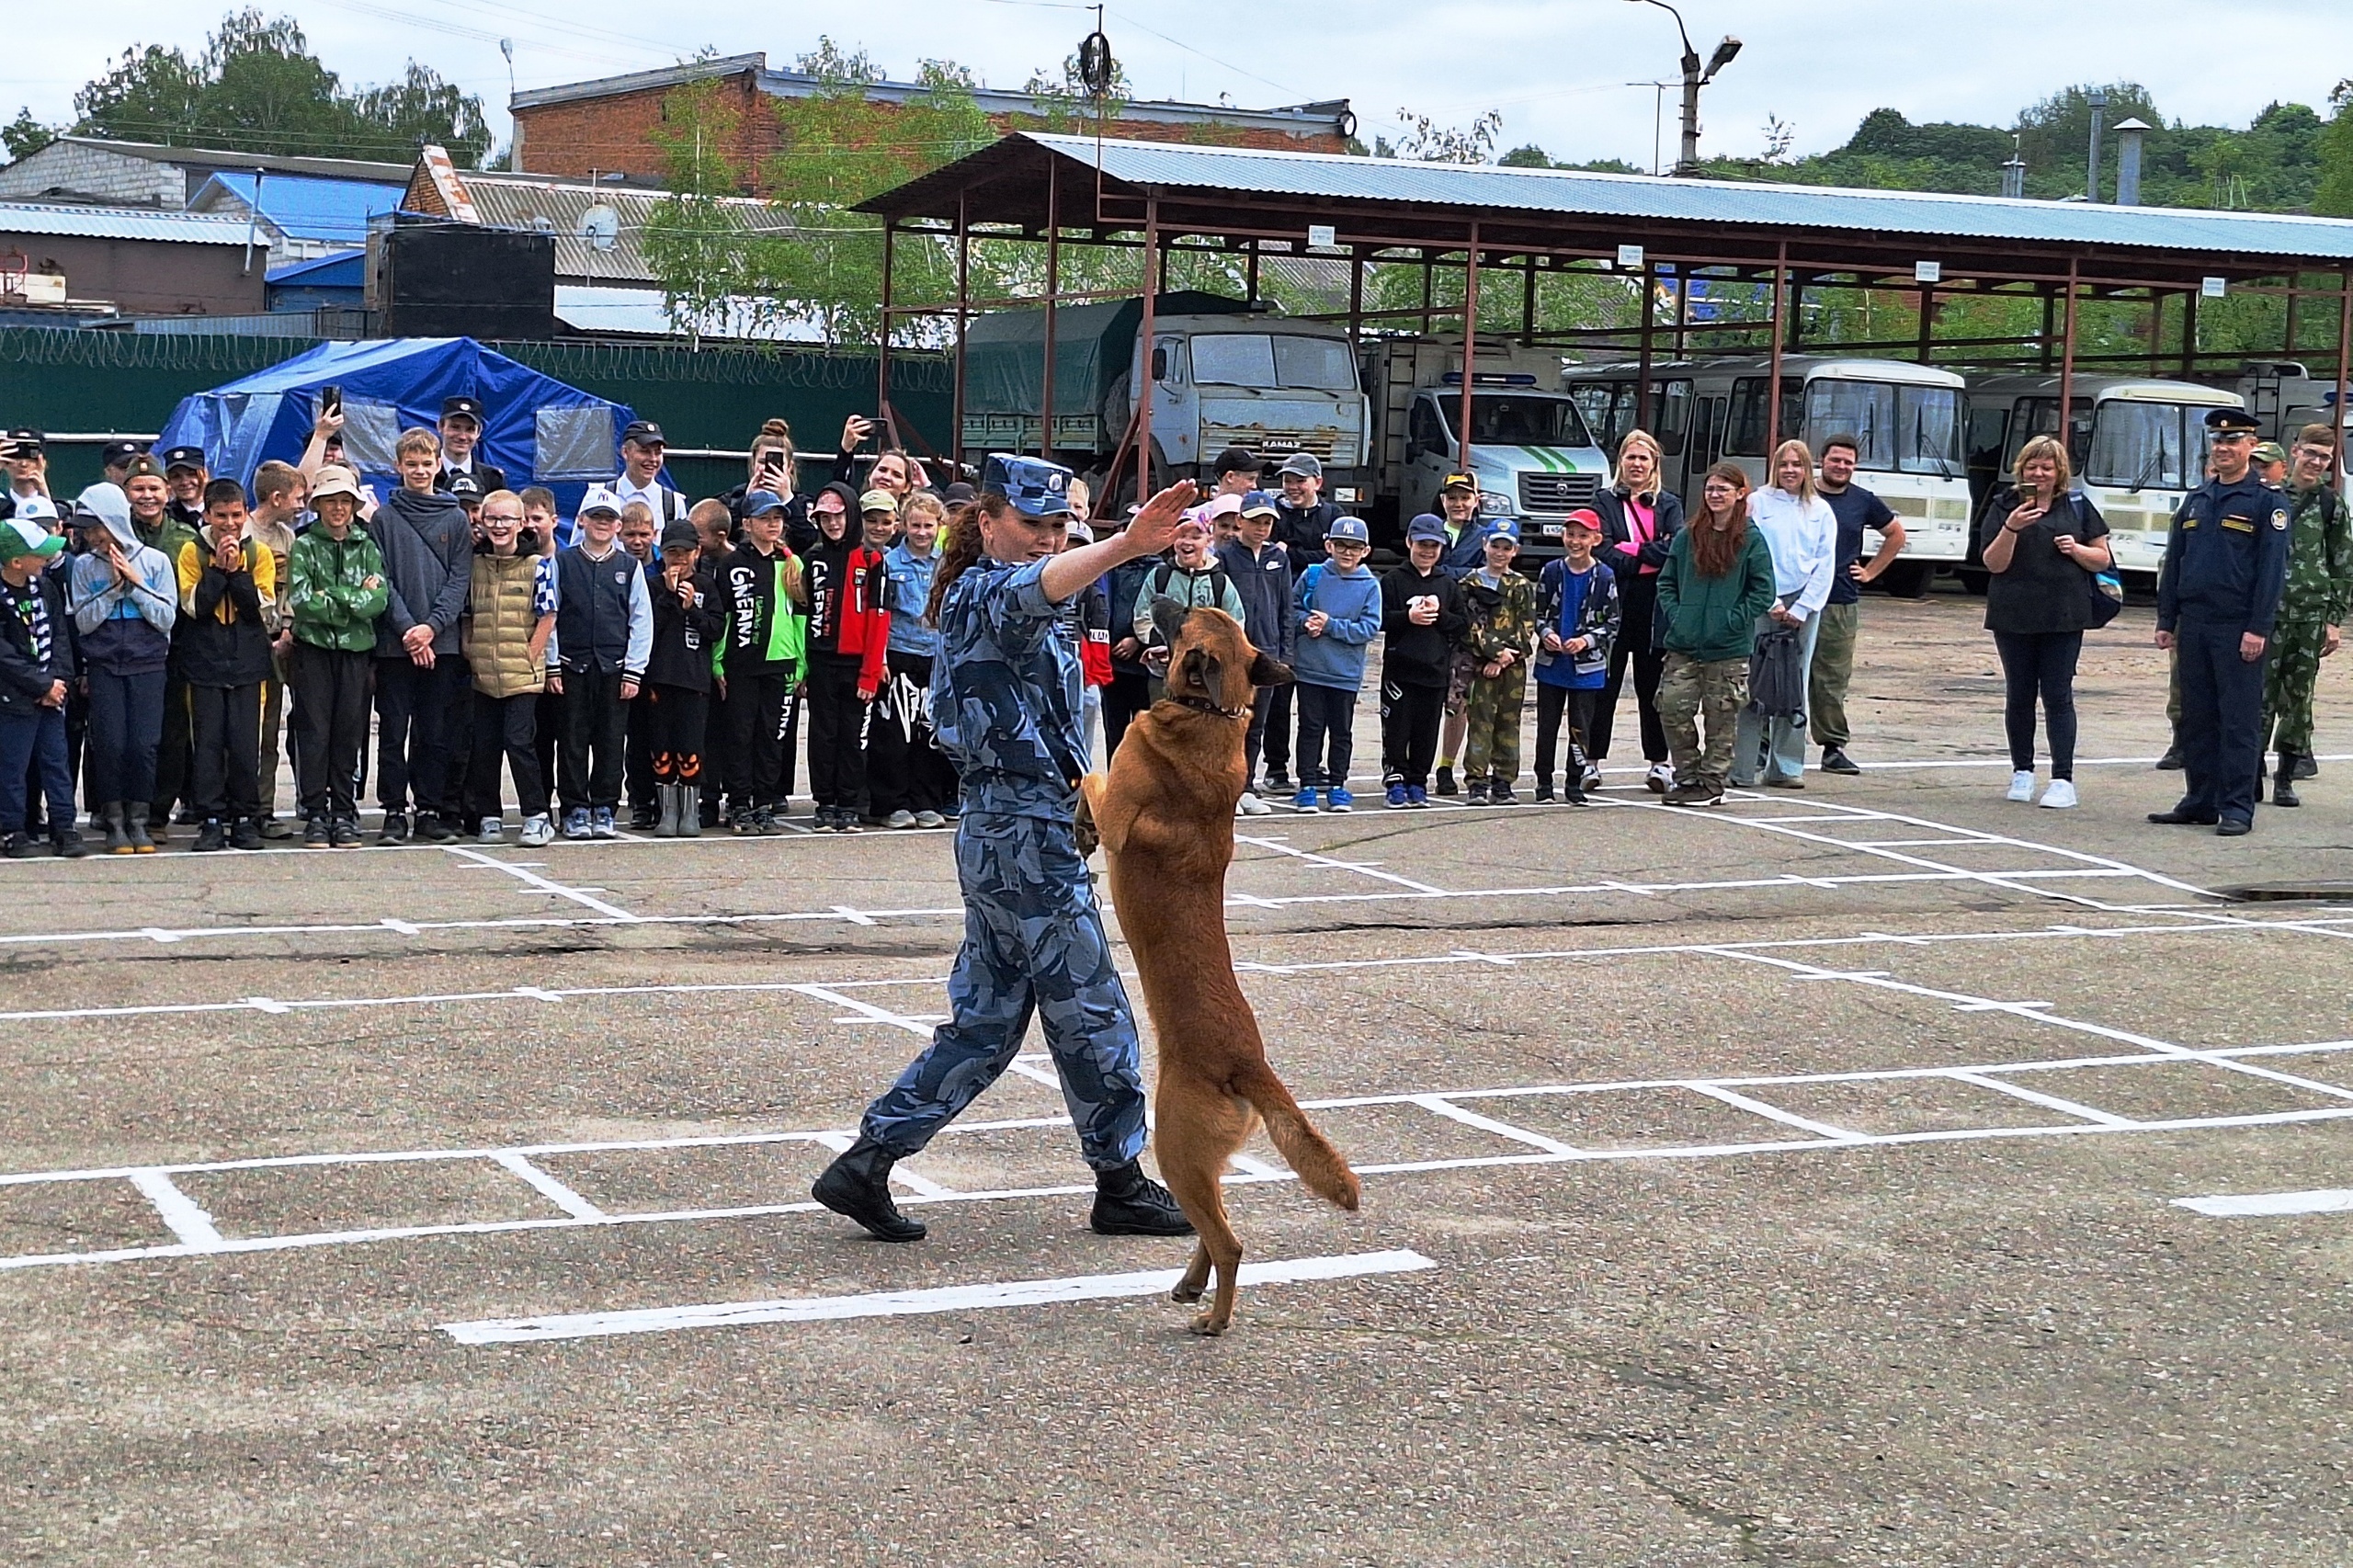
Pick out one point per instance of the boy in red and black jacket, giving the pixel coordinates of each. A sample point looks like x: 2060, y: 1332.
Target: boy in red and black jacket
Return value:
x: 849, y: 635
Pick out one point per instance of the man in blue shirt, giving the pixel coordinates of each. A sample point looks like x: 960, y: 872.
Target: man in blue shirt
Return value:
x: 1005, y: 692
x: 2218, y: 593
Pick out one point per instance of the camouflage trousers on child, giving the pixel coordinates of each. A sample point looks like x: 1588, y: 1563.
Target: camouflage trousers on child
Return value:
x: 1491, y: 750
x: 1033, y: 943
x: 1693, y: 692
x: 2288, y: 684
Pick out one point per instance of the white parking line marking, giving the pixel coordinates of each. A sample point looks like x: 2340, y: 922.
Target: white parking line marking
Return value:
x: 1453, y: 1112
x: 1361, y: 867
x: 903, y: 1303
x: 181, y: 1212
x: 1774, y: 1113
x: 2048, y: 1102
x: 523, y: 873
x: 2240, y: 1206
x: 555, y: 1191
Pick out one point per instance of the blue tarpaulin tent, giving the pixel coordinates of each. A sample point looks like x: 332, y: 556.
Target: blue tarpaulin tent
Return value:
x: 535, y: 429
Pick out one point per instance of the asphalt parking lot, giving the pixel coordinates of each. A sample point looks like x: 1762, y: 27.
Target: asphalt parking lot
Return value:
x: 1879, y: 1174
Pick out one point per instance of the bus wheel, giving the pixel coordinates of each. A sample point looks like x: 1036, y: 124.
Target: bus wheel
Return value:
x: 1975, y: 580
x: 1909, y: 579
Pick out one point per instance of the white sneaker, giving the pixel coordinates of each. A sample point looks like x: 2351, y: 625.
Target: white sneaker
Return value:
x: 1592, y: 776
x: 493, y: 832
x: 2061, y: 796
x: 1661, y: 779
x: 1251, y: 806
x: 2022, y: 785
x: 538, y: 830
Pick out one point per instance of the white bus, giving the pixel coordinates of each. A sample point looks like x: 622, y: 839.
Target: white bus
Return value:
x: 2138, y: 445
x: 1906, y: 417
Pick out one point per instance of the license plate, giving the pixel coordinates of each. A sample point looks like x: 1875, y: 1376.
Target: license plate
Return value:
x: 1550, y: 530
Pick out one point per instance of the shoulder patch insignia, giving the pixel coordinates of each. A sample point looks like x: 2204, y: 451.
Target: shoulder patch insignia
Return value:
x: 2279, y: 517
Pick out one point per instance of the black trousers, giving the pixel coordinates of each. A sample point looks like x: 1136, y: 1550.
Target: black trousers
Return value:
x: 418, y: 722
x: 905, y: 769
x: 170, y: 752
x: 761, y: 719
x: 1327, y: 740
x: 639, y: 770
x: 2040, y: 666
x: 836, y: 733
x: 1255, y: 736
x: 547, y: 735
x: 674, y: 718
x: 1553, y: 703
x: 224, y: 735
x: 126, y: 722
x: 595, y: 722
x: 1409, y: 720
x: 330, y: 725
x: 1270, y: 732
x: 1128, y: 695
x: 2221, y: 720
x: 507, y: 726
x: 1637, y: 600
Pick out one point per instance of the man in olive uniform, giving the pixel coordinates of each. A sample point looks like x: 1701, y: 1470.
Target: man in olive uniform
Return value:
x: 2311, y: 608
x: 2218, y: 597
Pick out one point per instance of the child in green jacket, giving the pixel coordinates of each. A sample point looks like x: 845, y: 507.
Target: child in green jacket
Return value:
x: 336, y: 592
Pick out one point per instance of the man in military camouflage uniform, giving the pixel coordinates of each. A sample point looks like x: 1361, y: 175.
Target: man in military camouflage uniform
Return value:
x: 2311, y: 608
x: 1006, y: 693
x: 1502, y: 605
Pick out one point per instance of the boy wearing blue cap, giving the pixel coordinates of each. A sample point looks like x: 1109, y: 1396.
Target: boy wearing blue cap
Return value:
x: 1501, y: 604
x: 1260, y: 571
x: 1422, y: 621
x: 1337, y: 610
x: 1006, y: 694
x: 37, y: 670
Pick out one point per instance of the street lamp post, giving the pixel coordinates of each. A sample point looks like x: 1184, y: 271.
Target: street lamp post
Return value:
x: 1696, y: 75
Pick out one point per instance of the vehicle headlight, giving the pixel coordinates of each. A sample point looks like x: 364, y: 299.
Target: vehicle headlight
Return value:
x: 1496, y: 503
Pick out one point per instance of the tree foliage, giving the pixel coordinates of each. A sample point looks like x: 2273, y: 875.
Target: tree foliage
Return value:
x: 256, y: 87
x: 24, y: 136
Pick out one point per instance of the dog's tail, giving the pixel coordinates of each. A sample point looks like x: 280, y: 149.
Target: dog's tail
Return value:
x: 1310, y: 1153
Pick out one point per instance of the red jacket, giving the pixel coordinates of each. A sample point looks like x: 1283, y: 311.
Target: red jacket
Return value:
x: 849, y: 614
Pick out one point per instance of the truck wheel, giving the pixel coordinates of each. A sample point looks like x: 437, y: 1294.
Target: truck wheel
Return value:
x: 1975, y: 580
x: 1162, y: 478
x: 1909, y: 579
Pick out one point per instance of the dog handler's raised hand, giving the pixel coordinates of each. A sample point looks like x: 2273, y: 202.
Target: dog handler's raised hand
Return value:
x: 1149, y: 532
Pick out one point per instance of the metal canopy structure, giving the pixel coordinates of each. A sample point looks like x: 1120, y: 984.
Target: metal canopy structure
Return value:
x: 1522, y: 223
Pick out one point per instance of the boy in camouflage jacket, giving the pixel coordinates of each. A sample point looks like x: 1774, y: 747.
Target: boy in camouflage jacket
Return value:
x: 1502, y: 605
x: 2313, y: 607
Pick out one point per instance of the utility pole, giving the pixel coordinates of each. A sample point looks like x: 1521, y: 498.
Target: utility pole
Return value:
x: 2097, y: 98
x: 1696, y: 75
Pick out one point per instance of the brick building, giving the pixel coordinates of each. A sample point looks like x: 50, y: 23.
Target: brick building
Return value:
x: 607, y: 126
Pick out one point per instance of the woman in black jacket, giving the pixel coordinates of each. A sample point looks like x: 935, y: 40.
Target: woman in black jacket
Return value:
x: 1639, y: 522
x: 2040, y: 540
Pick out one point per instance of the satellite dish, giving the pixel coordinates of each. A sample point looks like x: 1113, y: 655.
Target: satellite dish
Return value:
x: 601, y: 226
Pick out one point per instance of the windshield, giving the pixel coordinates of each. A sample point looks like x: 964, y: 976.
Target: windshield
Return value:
x: 1516, y: 419
x: 2159, y: 446
x: 1258, y: 359
x: 1900, y: 429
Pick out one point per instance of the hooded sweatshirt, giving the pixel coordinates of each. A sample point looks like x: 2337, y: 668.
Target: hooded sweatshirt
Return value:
x: 428, y: 546
x: 1352, y: 601
x: 126, y: 626
x: 849, y: 600
x: 1420, y: 655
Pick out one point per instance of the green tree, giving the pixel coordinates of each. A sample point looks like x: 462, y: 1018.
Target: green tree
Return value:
x: 24, y: 136
x: 258, y: 87
x: 2333, y: 147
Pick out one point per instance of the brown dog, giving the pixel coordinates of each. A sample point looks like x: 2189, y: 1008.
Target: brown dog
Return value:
x: 1165, y: 817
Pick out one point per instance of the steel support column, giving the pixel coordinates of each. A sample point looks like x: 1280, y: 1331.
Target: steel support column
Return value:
x: 1773, y: 381
x: 1470, y: 341
x: 2344, y: 365
x: 2067, y: 365
x: 1143, y: 379
x: 2188, y: 331
x: 1643, y: 381
x: 963, y: 293
x: 1053, y: 286
x: 882, y: 349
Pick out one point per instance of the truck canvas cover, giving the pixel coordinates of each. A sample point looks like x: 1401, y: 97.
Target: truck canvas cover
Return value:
x: 1005, y: 365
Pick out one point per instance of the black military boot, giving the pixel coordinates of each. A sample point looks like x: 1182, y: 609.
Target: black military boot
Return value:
x: 2171, y: 762
x: 1130, y: 1203
x: 2283, y: 783
x: 857, y: 1186
x: 2307, y: 766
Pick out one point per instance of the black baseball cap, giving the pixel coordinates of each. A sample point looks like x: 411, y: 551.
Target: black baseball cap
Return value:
x: 644, y: 433
x: 680, y: 535
x: 465, y: 487
x: 185, y: 457
x: 1237, y: 460
x: 462, y: 408
x: 118, y: 453
x: 23, y: 441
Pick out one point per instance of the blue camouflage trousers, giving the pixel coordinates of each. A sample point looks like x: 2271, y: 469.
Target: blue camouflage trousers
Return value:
x: 1033, y: 943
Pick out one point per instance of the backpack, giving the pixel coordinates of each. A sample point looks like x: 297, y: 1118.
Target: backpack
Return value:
x: 1777, y: 675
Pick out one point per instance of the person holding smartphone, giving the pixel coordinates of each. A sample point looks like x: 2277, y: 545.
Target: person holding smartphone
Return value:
x: 2041, y: 538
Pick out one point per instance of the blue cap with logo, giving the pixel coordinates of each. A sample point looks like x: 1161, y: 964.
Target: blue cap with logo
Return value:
x: 759, y: 503
x: 1503, y: 528
x: 1349, y: 529
x: 1036, y: 488
x: 1427, y: 525
x: 1259, y: 503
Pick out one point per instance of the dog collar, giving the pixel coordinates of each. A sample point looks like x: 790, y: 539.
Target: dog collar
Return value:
x: 1202, y: 704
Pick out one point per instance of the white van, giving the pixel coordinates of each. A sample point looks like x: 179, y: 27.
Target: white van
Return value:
x: 2137, y: 443
x: 1906, y: 417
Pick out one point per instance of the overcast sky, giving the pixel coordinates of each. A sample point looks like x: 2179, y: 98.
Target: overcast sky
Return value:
x: 1556, y: 69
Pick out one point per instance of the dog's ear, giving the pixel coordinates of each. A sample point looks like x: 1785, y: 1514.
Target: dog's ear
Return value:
x: 1266, y: 671
x: 1169, y: 618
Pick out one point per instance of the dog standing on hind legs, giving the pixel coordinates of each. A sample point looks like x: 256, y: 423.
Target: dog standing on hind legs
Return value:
x: 1164, y: 816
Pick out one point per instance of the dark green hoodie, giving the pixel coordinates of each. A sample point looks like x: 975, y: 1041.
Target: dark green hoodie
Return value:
x: 1710, y: 619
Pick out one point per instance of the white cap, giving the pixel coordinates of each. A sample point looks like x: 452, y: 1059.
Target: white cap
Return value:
x: 600, y: 498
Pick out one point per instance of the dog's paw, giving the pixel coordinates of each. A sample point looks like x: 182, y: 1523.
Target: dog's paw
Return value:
x: 1208, y: 1325
x: 1186, y: 1290
x: 1088, y: 839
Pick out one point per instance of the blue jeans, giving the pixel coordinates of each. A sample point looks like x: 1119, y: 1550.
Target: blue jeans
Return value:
x: 1033, y: 943
x: 1778, y: 743
x: 126, y: 728
x: 25, y: 739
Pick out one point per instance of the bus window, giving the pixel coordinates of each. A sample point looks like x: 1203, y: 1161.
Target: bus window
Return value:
x: 1898, y: 428
x: 1593, y: 399
x: 1745, y: 434
x: 2138, y: 445
x: 1986, y: 427
x: 1673, y: 415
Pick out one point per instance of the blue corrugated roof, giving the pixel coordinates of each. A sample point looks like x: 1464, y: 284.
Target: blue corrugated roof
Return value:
x: 343, y: 270
x: 1576, y: 194
x: 334, y: 211
x: 66, y: 220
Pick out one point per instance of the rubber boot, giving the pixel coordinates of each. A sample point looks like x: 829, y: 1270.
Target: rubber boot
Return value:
x: 134, y: 825
x: 690, y: 810
x: 857, y: 1186
x: 666, y: 824
x: 1130, y: 1203
x: 110, y: 818
x: 2283, y: 783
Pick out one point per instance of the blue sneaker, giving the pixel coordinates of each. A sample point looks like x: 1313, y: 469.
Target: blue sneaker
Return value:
x: 601, y: 823
x: 1417, y: 797
x: 575, y: 822
x: 1397, y: 801
x: 1306, y: 800
x: 1339, y: 799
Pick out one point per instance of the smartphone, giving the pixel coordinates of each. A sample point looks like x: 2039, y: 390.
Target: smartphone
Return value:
x: 330, y: 400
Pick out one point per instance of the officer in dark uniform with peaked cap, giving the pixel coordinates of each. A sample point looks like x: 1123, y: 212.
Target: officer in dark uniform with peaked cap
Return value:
x: 2226, y: 561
